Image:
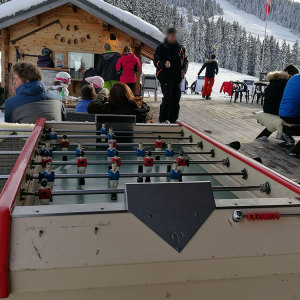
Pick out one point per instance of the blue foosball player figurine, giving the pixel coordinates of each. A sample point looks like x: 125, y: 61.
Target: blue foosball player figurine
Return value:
x: 110, y: 134
x: 110, y: 152
x: 176, y: 175
x: 49, y: 149
x: 169, y: 152
x: 140, y: 152
x: 49, y: 175
x: 53, y: 138
x: 79, y: 149
x: 114, y: 176
x: 103, y: 133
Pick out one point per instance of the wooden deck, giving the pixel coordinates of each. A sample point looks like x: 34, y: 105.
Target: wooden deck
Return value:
x: 228, y: 122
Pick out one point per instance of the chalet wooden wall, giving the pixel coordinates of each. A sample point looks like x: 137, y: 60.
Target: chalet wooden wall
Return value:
x: 80, y: 32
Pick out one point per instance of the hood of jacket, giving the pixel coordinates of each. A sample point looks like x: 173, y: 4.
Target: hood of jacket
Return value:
x: 31, y: 88
x: 110, y: 55
x: 209, y: 61
x: 278, y: 75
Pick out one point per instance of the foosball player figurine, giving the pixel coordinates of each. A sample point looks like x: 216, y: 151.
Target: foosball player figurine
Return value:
x: 110, y: 152
x: 117, y: 160
x: 79, y: 149
x: 81, y: 167
x: 46, y: 159
x: 114, y: 141
x: 44, y: 193
x: 49, y: 149
x: 140, y: 152
x: 169, y: 155
x: 53, y: 138
x: 49, y: 175
x: 110, y: 134
x: 176, y: 175
x: 158, y: 144
x: 181, y: 162
x: 64, y: 143
x: 103, y: 133
x: 114, y: 175
x: 148, y: 165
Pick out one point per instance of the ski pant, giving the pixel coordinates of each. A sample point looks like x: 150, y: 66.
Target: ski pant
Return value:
x: 208, y: 86
x: 169, y: 108
x: 292, y: 120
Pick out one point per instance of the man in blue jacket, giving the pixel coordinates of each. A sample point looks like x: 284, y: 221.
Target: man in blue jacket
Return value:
x: 31, y: 100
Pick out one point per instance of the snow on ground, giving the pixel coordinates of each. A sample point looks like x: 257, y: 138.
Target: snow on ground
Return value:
x: 254, y: 24
x: 224, y: 75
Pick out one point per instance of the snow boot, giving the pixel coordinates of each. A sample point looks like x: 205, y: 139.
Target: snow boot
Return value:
x: 208, y: 97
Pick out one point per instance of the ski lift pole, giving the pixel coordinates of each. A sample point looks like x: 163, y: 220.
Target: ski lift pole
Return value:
x: 268, y: 10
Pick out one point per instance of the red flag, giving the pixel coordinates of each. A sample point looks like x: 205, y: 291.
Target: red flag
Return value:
x: 268, y: 8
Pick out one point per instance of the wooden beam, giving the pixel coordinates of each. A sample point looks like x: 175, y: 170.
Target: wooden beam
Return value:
x: 34, y: 21
x: 5, y: 60
x: 74, y: 7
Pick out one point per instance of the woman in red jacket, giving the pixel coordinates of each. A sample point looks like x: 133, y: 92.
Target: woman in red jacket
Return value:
x: 129, y: 65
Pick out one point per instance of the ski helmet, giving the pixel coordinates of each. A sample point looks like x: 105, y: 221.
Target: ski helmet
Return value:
x: 63, y: 77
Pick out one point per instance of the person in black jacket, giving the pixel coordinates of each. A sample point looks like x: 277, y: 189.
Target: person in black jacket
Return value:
x: 106, y: 67
x: 171, y: 62
x: 212, y: 69
x: 45, y: 60
x: 274, y: 91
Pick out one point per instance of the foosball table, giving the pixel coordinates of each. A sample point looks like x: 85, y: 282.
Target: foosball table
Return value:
x: 142, y: 211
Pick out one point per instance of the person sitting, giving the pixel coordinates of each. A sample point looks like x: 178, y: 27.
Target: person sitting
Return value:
x: 129, y: 65
x: 88, y: 94
x: 61, y: 85
x: 31, y: 100
x: 273, y: 96
x: 122, y: 102
x: 212, y: 69
x: 289, y: 109
x: 45, y: 60
x: 98, y: 83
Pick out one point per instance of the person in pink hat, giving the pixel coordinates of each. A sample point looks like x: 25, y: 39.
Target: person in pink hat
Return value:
x: 98, y: 83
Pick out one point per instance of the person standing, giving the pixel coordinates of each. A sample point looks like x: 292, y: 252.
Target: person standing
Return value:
x: 106, y: 67
x: 212, y: 69
x: 171, y: 62
x: 128, y: 64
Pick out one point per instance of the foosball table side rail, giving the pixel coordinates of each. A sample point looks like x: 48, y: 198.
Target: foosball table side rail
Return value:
x: 281, y: 187
x: 9, y: 196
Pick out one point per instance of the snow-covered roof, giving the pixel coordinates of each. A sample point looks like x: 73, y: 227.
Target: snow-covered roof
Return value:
x: 16, y: 11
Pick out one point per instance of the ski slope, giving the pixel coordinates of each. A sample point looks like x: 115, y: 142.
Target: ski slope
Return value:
x: 254, y: 25
x: 224, y: 75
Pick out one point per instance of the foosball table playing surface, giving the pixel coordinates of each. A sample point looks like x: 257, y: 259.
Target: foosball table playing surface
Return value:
x: 114, y: 195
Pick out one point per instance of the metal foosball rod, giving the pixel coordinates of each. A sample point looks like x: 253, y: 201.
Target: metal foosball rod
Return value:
x: 14, y: 136
x: 82, y: 137
x: 181, y: 133
x: 132, y: 144
x: 264, y: 188
x: 15, y: 130
x: 224, y: 162
x: 243, y: 173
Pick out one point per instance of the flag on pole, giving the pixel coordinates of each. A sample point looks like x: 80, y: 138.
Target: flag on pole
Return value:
x: 268, y: 8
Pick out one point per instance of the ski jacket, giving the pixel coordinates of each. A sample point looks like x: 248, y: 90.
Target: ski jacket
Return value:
x: 290, y: 103
x: 128, y: 64
x: 45, y: 62
x: 32, y: 101
x: 212, y: 68
x: 177, y: 57
x: 227, y: 87
x: 106, y: 67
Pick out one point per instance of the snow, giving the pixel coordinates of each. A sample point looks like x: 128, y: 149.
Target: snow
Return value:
x: 12, y: 7
x: 255, y: 25
x: 191, y: 76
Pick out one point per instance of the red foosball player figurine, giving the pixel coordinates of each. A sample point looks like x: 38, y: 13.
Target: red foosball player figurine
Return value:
x: 181, y: 162
x: 116, y: 159
x: 44, y: 193
x: 46, y: 159
x: 114, y: 141
x: 81, y: 167
x: 64, y: 143
x: 148, y: 165
x: 158, y: 144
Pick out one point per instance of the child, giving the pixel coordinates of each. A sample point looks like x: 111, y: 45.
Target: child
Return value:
x: 98, y: 83
x: 212, y: 70
x: 88, y: 94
